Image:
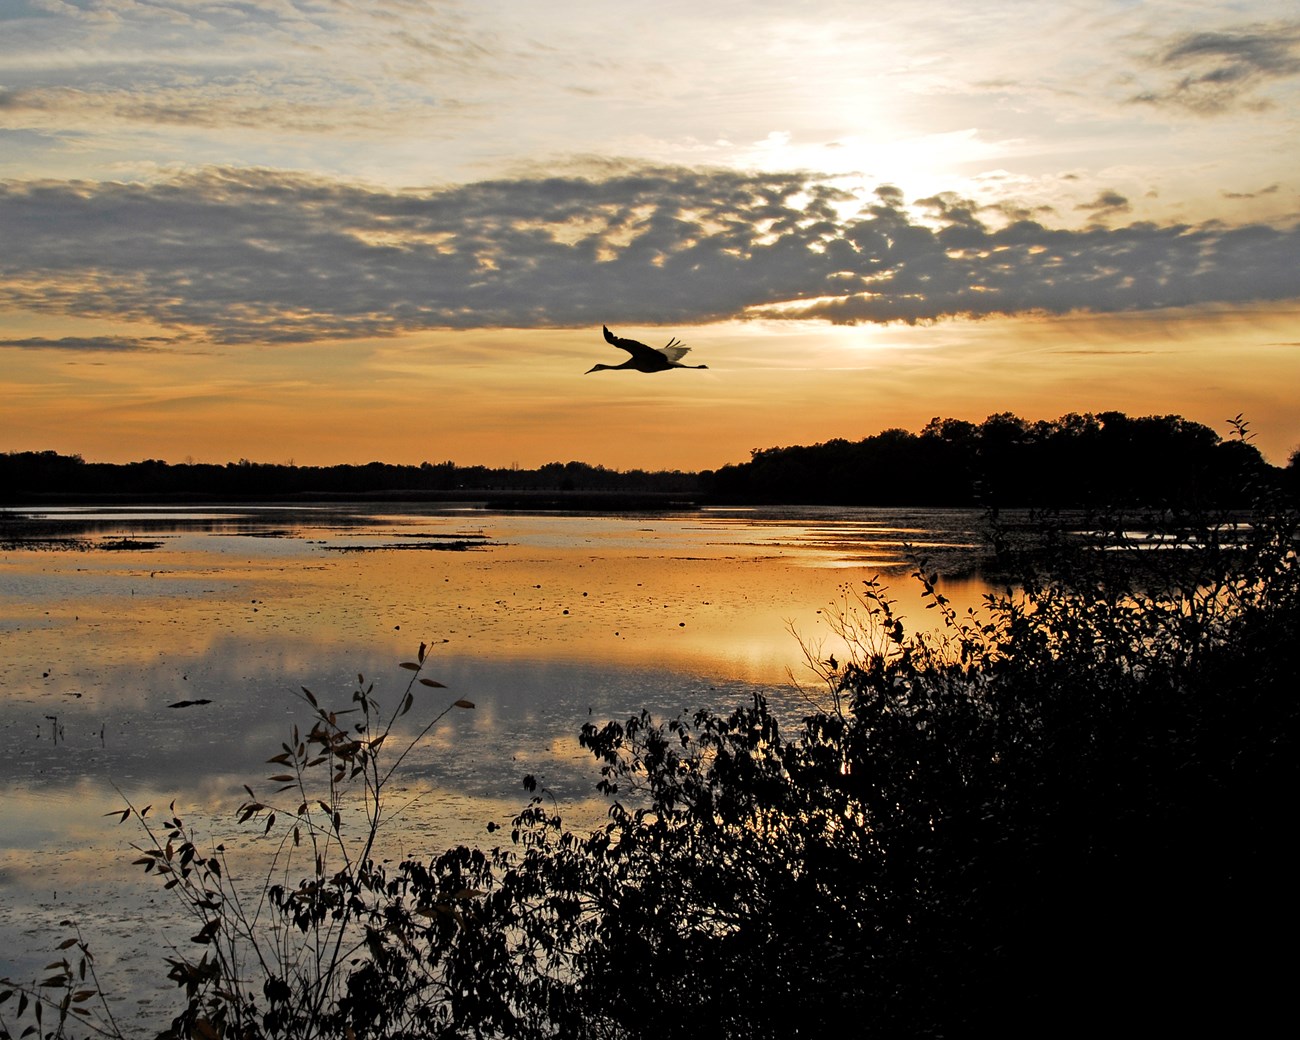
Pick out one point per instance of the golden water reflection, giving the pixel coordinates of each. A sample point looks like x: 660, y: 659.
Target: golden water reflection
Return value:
x: 542, y: 618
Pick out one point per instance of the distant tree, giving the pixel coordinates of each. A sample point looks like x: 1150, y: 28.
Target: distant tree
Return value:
x: 24, y: 471
x: 1085, y: 461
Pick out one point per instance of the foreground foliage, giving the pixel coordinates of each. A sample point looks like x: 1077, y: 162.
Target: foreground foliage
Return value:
x: 1068, y: 814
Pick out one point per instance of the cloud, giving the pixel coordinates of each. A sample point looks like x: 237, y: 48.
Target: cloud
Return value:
x: 321, y: 68
x: 255, y: 106
x: 238, y: 256
x: 1272, y: 189
x: 106, y: 344
x: 1221, y: 70
x: 1106, y: 203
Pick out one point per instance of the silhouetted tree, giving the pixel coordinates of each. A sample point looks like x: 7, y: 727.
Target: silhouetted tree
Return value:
x: 1085, y: 461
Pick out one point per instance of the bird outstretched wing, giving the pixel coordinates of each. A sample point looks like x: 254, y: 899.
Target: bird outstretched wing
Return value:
x: 633, y: 347
x: 673, y: 351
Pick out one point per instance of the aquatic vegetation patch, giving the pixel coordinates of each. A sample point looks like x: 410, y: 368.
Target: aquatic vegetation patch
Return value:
x: 434, y: 543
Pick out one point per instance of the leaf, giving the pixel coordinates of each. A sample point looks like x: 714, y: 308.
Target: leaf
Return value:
x: 410, y: 666
x: 205, y: 1030
x: 270, y: 822
x: 66, y: 943
x: 434, y: 683
x: 462, y: 703
x: 207, y: 932
x: 282, y: 778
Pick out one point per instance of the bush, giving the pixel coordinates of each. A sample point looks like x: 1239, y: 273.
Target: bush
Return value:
x: 282, y: 947
x: 1066, y: 816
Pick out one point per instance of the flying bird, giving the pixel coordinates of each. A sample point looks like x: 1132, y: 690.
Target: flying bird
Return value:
x: 646, y: 359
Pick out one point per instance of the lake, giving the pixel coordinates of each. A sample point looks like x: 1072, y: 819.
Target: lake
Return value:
x: 157, y: 651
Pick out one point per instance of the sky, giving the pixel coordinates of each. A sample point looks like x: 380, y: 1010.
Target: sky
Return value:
x: 323, y: 231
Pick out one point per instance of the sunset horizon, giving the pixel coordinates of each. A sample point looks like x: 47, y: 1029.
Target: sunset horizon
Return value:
x: 311, y: 233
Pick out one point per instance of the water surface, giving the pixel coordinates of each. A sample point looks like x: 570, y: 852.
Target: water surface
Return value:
x: 109, y: 617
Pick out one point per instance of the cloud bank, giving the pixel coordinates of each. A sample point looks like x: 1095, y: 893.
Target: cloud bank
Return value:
x: 242, y: 256
x: 87, y: 344
x: 1217, y: 71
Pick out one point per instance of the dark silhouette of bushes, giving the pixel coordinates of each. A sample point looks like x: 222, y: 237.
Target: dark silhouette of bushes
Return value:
x: 1067, y: 819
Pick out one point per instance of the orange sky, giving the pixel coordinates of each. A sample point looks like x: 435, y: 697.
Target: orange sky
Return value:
x: 498, y: 397
x: 325, y: 234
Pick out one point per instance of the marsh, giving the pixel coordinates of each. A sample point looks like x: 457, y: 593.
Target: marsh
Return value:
x: 156, y: 652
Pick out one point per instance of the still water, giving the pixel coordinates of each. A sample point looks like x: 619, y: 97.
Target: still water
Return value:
x: 110, y: 617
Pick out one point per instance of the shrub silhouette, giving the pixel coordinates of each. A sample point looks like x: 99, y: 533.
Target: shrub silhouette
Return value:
x: 1063, y: 816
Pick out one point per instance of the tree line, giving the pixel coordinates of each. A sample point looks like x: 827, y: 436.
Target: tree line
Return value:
x: 48, y: 474
x: 1074, y: 461
x: 1077, y: 460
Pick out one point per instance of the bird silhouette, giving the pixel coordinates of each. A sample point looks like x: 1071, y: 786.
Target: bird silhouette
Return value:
x: 646, y: 359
